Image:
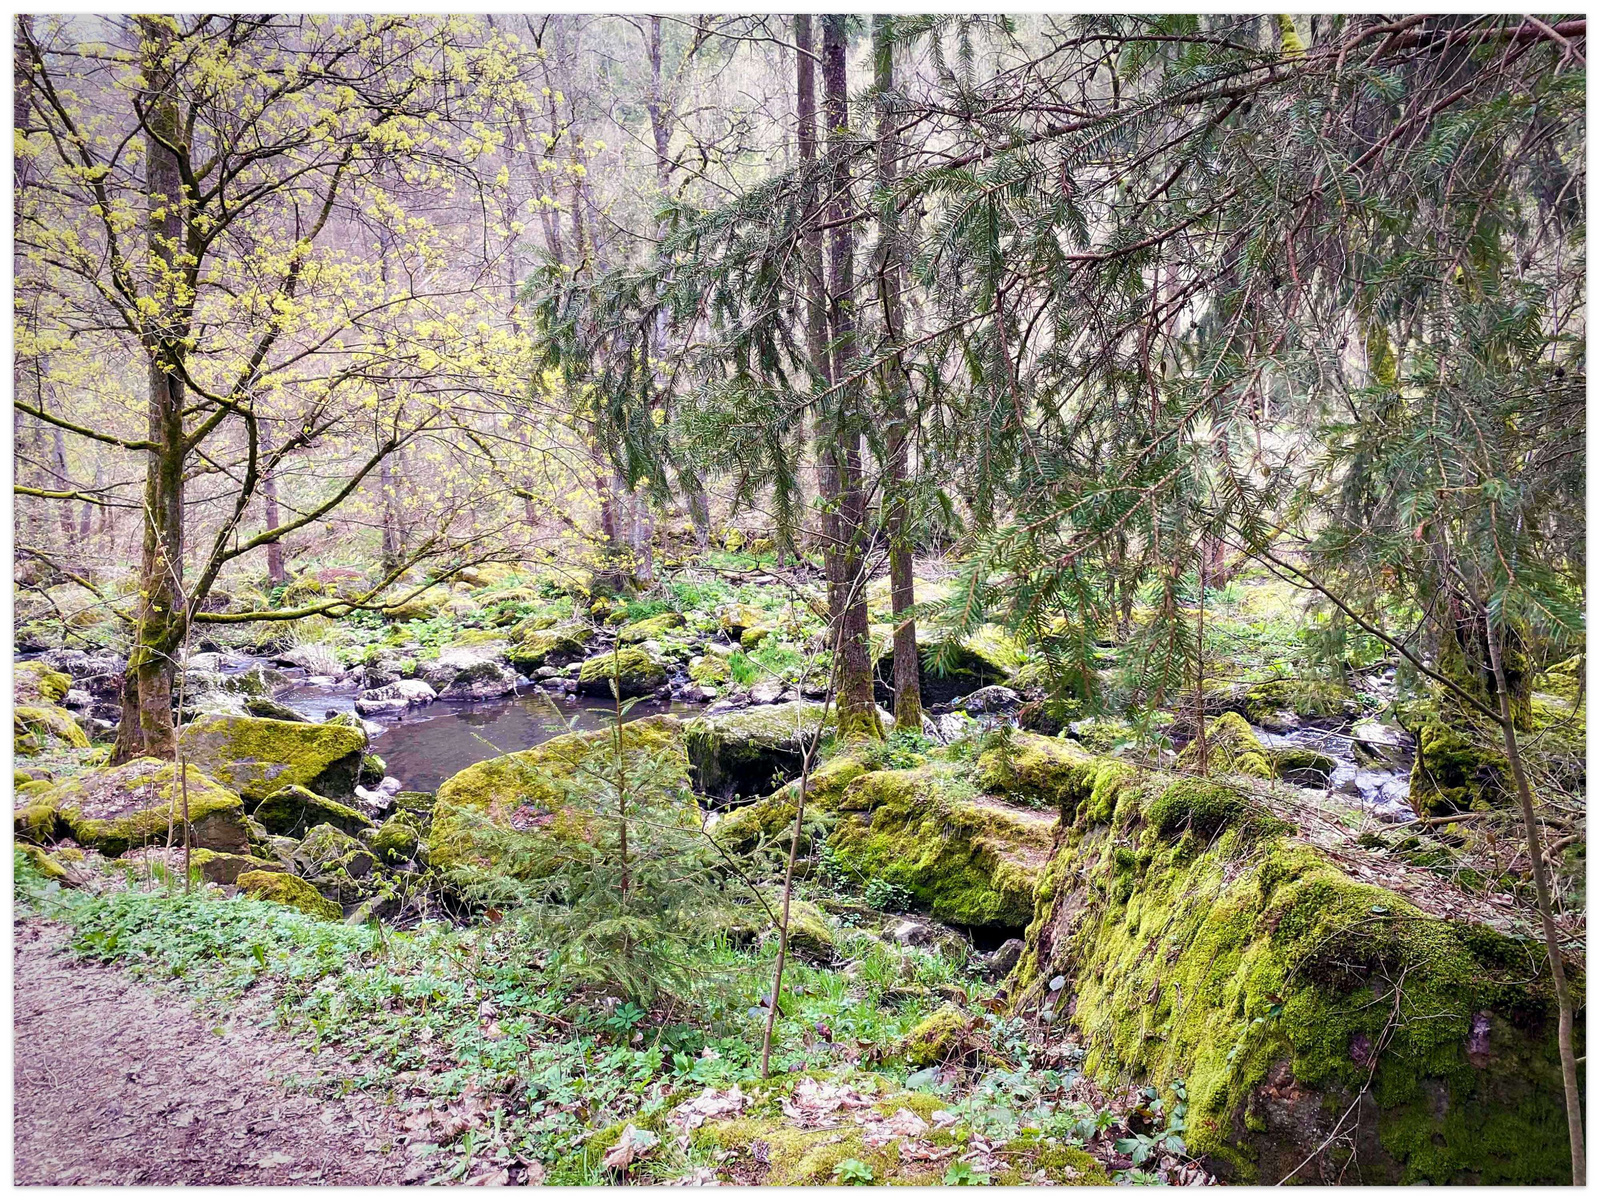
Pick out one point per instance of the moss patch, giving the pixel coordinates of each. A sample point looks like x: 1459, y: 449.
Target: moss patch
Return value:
x: 48, y: 726
x: 292, y: 810
x: 1232, y: 748
x: 256, y: 757
x: 635, y: 673
x: 282, y: 888
x: 139, y: 803
x: 36, y: 682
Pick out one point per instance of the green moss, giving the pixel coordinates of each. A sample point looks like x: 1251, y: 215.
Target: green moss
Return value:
x: 1232, y: 748
x: 635, y: 673
x: 650, y: 628
x: 1456, y: 773
x: 709, y: 671
x: 772, y: 819
x: 537, y: 793
x: 282, y: 888
x: 1055, y: 770
x: 38, y: 820
x: 1256, y: 971
x: 140, y: 804
x: 751, y: 751
x: 396, y: 841
x: 256, y: 757
x: 970, y: 860
x: 44, y: 864
x: 49, y: 725
x: 937, y: 1036
x: 217, y: 867
x: 292, y: 810
x: 1298, y: 762
x: 1303, y: 698
x: 35, y: 682
x: 554, y: 647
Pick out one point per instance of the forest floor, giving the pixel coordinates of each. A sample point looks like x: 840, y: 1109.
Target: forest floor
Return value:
x: 116, y: 1083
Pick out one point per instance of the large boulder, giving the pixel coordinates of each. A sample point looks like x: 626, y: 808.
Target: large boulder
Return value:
x: 636, y: 673
x: 36, y: 682
x: 1232, y: 748
x: 751, y: 751
x: 484, y: 680
x: 650, y: 628
x: 39, y: 727
x: 555, y: 646
x: 255, y: 756
x: 142, y: 803
x: 292, y: 810
x: 1325, y: 1028
x: 969, y: 859
x: 282, y: 888
x: 548, y: 792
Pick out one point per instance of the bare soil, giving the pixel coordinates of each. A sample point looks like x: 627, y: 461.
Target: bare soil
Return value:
x: 117, y: 1082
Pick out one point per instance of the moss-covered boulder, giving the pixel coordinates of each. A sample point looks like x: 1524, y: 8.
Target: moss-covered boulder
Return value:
x: 937, y: 1037
x: 956, y: 667
x: 1455, y: 771
x: 429, y: 602
x: 709, y: 670
x: 142, y: 802
x: 292, y: 810
x: 1325, y: 1028
x: 549, y: 647
x: 1280, y: 702
x: 36, y: 682
x: 970, y: 859
x: 771, y: 820
x: 1232, y: 748
x: 651, y: 628
x: 736, y: 618
x: 395, y: 841
x: 255, y: 756
x: 751, y: 751
x: 282, y: 888
x: 548, y: 792
x: 1301, y: 765
x: 635, y: 672
x: 38, y: 727
x: 215, y: 866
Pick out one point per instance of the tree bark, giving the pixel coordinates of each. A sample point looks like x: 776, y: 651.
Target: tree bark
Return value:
x: 816, y: 292
x: 858, y: 713
x: 147, y: 719
x: 276, y: 574
x: 902, y: 588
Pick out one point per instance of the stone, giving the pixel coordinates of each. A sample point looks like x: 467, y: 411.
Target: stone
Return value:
x: 749, y: 751
x: 995, y: 698
x: 141, y: 803
x: 555, y: 646
x: 481, y: 681
x: 36, y: 682
x: 216, y: 866
x: 256, y: 756
x: 395, y: 697
x: 260, y: 706
x: 636, y: 673
x: 292, y: 810
x: 279, y: 887
x: 1373, y: 743
x: 650, y: 628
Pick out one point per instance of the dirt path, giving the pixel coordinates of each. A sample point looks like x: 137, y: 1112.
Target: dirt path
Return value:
x: 117, y: 1083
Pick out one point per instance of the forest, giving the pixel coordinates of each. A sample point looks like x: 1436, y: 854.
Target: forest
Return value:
x: 831, y: 600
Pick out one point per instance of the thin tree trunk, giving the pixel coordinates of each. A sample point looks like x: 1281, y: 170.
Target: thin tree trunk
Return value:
x: 902, y: 588
x: 1202, y: 746
x: 277, y: 575
x: 858, y: 712
x: 1541, y: 886
x: 811, y: 265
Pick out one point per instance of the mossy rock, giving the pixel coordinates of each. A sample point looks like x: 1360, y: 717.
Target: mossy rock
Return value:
x: 651, y: 628
x: 140, y: 802
x: 1456, y: 773
x: 425, y: 604
x: 634, y: 671
x: 45, y: 864
x: 256, y: 756
x: 36, y: 682
x: 1232, y: 748
x: 1030, y: 766
x: 1301, y: 764
x: 36, y: 818
x: 395, y: 841
x: 970, y: 859
x: 541, y: 793
x: 751, y: 751
x: 282, y: 888
x: 292, y: 810
x: 736, y: 618
x: 1254, y: 969
x: 47, y: 726
x: 948, y: 669
x: 937, y: 1037
x: 552, y: 646
x: 753, y: 637
x: 216, y: 867
x: 1103, y: 735
x: 770, y: 821
x: 1306, y: 698
x: 709, y: 671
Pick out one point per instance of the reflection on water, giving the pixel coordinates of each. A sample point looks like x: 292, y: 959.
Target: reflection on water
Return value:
x: 426, y: 746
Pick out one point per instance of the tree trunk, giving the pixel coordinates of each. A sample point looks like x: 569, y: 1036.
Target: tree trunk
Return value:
x: 276, y: 574
x: 858, y: 713
x: 147, y: 720
x: 816, y: 293
x: 902, y: 590
x: 1541, y: 885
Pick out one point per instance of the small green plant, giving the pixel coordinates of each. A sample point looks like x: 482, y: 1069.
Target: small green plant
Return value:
x: 885, y: 896
x: 962, y: 1174
x: 853, y: 1172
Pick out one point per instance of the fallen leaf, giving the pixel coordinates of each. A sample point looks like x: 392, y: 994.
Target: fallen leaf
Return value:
x: 634, y: 1144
